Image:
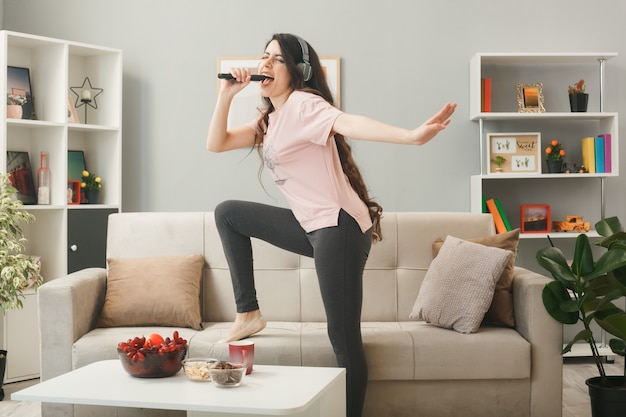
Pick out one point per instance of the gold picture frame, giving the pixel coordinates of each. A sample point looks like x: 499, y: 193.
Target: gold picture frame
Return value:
x: 530, y: 98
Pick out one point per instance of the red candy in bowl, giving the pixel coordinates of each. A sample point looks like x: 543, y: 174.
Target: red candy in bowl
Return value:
x: 152, y: 357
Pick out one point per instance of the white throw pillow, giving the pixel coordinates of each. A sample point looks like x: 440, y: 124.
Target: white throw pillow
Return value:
x: 459, y: 285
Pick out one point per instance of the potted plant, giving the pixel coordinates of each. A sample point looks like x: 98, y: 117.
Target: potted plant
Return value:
x: 499, y: 160
x: 584, y: 292
x: 554, y: 157
x: 14, y: 106
x: 90, y: 186
x: 17, y: 271
x: 577, y: 97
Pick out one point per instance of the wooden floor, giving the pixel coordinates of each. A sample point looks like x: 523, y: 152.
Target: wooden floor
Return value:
x: 575, y: 394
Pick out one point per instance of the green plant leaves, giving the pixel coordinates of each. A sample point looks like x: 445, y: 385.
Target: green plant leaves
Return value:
x: 559, y: 304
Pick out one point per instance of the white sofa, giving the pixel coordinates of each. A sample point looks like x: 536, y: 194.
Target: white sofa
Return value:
x: 415, y: 368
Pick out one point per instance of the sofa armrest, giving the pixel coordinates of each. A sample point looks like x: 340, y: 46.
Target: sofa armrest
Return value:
x: 545, y: 335
x: 69, y: 307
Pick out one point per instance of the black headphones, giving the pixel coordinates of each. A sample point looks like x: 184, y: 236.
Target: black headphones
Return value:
x: 305, y: 66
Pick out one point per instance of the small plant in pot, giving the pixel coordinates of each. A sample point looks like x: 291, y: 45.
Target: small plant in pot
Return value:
x: 554, y: 157
x: 499, y: 161
x: 17, y: 271
x: 578, y: 99
x: 585, y: 292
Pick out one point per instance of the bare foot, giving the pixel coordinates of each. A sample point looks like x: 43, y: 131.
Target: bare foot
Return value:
x: 246, y: 324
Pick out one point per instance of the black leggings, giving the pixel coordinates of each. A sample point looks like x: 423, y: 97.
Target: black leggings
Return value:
x: 340, y: 254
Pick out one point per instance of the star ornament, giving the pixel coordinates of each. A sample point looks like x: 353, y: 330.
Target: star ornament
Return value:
x: 86, y: 95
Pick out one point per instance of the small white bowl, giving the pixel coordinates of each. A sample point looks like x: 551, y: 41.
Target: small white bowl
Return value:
x: 197, y: 369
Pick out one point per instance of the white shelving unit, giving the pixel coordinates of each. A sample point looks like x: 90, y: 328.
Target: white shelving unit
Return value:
x: 556, y: 71
x: 566, y: 193
x: 55, y: 66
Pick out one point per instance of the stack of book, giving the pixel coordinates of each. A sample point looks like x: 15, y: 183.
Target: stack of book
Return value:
x: 500, y: 219
x: 597, y: 153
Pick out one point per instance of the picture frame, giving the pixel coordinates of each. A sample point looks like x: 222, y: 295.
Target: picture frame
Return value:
x: 530, y: 98
x: 73, y: 192
x: 244, y: 107
x: 19, y: 92
x: 535, y: 218
x: 75, y: 165
x: 72, y: 114
x: 21, y: 176
x: 514, y: 153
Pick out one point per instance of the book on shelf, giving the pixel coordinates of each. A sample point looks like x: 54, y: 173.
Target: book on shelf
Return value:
x: 607, y: 151
x: 599, y: 154
x: 588, y: 151
x: 485, y: 94
x: 505, y: 219
x: 498, y: 219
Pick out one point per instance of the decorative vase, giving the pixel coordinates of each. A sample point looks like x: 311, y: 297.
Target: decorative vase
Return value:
x: 578, y: 102
x: 91, y: 196
x: 607, y: 401
x: 14, y: 111
x: 554, y: 167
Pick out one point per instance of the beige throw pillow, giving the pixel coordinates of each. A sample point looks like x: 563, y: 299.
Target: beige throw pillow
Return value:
x: 459, y: 285
x: 501, y: 308
x: 153, y: 291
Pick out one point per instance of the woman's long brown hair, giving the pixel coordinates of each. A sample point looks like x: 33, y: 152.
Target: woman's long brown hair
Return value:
x: 292, y: 54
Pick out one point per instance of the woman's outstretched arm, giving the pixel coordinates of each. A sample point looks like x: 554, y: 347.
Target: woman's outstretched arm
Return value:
x: 365, y: 128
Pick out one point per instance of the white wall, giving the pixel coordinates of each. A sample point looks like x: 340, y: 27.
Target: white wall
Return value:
x: 401, y: 61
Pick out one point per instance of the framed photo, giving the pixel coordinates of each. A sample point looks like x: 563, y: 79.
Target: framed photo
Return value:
x: 73, y: 192
x: 535, y: 218
x: 244, y: 107
x: 72, y: 115
x: 21, y: 176
x: 530, y: 98
x: 75, y: 165
x: 514, y: 153
x: 19, y: 93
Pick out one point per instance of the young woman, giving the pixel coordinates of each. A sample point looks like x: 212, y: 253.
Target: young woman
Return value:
x: 300, y: 135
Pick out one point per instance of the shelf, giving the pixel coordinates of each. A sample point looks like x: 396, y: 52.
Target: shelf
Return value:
x: 544, y: 116
x: 508, y: 176
x: 558, y: 235
x: 583, y: 349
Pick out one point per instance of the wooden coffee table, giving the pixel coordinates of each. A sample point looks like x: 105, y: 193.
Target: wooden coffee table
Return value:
x: 268, y: 390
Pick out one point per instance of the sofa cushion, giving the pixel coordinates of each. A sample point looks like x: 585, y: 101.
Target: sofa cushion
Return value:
x: 501, y: 308
x: 459, y: 285
x: 161, y: 291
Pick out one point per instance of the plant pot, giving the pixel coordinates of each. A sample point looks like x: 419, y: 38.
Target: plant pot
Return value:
x: 14, y: 111
x: 578, y: 102
x: 554, y: 167
x: 607, y: 401
x: 91, y: 196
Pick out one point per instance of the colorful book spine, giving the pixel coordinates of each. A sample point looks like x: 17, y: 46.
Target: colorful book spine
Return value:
x: 497, y: 218
x: 485, y: 98
x: 607, y: 151
x: 505, y: 218
x: 599, y: 154
x: 589, y: 159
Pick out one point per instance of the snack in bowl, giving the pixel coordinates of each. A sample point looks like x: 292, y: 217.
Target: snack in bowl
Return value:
x: 227, y: 374
x: 145, y: 358
x: 197, y: 369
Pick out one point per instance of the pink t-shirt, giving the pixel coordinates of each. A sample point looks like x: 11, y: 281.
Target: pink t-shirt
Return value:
x: 299, y: 150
